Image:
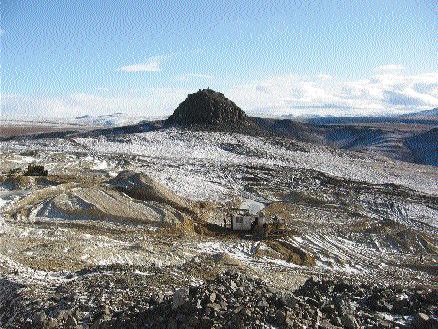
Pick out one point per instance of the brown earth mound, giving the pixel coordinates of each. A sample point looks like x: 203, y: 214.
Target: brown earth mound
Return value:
x: 287, y: 252
x: 142, y: 187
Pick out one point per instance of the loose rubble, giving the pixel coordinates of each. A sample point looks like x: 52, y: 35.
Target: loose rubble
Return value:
x: 77, y: 246
x: 236, y: 300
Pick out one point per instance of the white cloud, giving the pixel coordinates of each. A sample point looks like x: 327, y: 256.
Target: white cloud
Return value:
x: 277, y: 95
x: 153, y: 64
x: 190, y: 76
x: 379, y: 94
x: 324, y: 76
x: 389, y: 68
x: 150, y: 102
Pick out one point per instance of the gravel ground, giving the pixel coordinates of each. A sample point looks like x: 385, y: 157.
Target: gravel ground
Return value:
x: 84, y: 247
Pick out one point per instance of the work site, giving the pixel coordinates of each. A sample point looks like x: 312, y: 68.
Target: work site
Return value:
x: 224, y: 230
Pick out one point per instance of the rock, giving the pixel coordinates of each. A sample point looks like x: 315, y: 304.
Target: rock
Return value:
x: 432, y: 297
x: 384, y: 323
x: 349, y: 322
x: 318, y: 315
x: 251, y: 304
x: 207, y: 107
x: 280, y: 301
x: 172, y: 324
x: 157, y: 298
x: 238, y: 309
x: 71, y: 322
x: 306, y: 316
x: 280, y: 317
x: 247, y: 312
x: 240, y: 292
x: 40, y: 318
x: 330, y: 310
x: 193, y: 321
x: 312, y: 302
x: 263, y: 303
x: 35, y: 170
x: 422, y: 320
x: 341, y: 305
x: 224, y: 305
x: 387, y: 306
x: 290, y: 322
x: 214, y: 306
x: 180, y: 297
x: 206, y: 322
x: 325, y: 324
x: 401, y: 306
x: 290, y: 300
x: 52, y: 323
x: 63, y: 315
x: 106, y: 310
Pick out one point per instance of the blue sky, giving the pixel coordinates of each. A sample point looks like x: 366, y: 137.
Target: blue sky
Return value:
x: 67, y: 58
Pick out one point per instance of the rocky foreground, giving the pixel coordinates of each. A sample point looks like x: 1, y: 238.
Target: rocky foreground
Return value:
x: 234, y: 300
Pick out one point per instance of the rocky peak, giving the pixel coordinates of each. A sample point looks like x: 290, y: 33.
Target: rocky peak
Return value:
x: 208, y: 107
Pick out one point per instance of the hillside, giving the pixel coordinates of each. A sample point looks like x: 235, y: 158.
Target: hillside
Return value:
x: 424, y: 147
x: 427, y: 114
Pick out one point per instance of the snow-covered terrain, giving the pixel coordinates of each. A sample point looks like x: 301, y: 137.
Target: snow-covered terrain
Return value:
x: 348, y: 215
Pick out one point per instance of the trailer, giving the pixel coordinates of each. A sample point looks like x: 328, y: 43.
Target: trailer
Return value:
x: 258, y: 225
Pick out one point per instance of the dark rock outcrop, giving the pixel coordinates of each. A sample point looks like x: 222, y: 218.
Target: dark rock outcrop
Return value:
x: 208, y: 107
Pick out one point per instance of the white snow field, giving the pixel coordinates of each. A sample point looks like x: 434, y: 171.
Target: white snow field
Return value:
x: 354, y: 214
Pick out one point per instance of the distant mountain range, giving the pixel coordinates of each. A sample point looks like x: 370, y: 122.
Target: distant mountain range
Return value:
x: 422, y: 114
x: 108, y: 120
x: 428, y: 117
x: 411, y: 137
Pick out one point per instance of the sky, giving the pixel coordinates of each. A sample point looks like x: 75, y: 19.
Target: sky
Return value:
x: 66, y: 58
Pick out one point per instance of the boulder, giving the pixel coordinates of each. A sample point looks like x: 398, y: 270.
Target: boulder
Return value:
x: 349, y: 322
x: 422, y: 320
x: 180, y: 297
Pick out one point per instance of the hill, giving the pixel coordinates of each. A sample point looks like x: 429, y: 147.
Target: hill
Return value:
x: 427, y: 114
x: 208, y: 107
